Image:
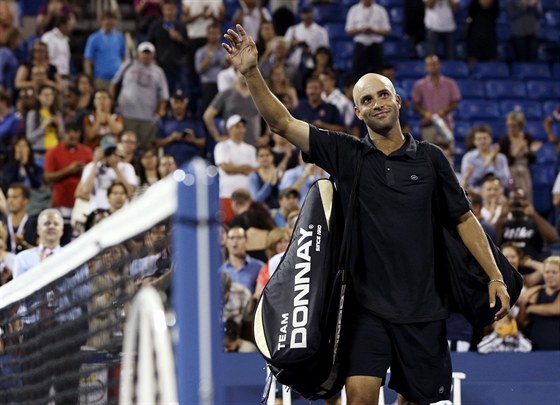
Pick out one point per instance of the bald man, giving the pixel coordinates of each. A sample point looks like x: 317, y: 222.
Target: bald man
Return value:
x: 397, y: 316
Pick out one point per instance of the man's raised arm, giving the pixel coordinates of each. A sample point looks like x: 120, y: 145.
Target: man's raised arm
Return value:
x: 243, y: 54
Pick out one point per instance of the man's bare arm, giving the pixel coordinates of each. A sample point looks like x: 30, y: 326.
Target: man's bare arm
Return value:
x: 475, y: 240
x: 242, y: 53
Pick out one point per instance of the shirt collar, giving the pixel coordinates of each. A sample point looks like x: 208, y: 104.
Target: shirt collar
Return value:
x: 409, y: 147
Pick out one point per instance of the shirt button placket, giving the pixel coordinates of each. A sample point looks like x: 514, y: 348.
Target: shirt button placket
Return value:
x: 389, y: 174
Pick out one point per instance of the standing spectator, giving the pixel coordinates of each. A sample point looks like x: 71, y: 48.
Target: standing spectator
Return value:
x: 523, y: 16
x: 147, y: 11
x: 483, y: 161
x: 8, y: 61
x: 210, y: 59
x: 332, y: 95
x: 235, y: 101
x: 180, y: 134
x: 540, y: 306
x: 39, y: 71
x: 306, y: 37
x: 369, y: 24
x: 7, y: 259
x: 235, y: 159
x: 63, y: 169
x: 9, y: 120
x: 414, y: 21
x: 45, y: 124
x: 241, y: 267
x: 263, y: 182
x: 58, y: 43
x: 22, y: 232
x: 317, y: 112
x: 102, y: 121
x: 100, y: 173
x: 440, y: 25
x: 520, y: 149
x: 434, y: 94
x: 170, y: 38
x: 49, y: 12
x: 482, y: 40
x: 251, y: 14
x: 144, y: 93
x: 104, y: 52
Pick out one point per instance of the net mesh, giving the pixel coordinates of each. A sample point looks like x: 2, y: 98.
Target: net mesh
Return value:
x: 62, y: 342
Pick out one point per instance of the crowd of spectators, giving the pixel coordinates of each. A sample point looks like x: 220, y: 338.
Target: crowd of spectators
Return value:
x: 89, y: 139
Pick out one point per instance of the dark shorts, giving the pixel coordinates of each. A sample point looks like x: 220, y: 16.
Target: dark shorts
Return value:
x: 417, y: 353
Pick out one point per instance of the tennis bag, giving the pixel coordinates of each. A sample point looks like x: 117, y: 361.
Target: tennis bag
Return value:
x: 298, y: 317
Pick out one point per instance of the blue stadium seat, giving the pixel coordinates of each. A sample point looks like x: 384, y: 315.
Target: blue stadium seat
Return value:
x: 455, y: 69
x: 535, y: 128
x: 471, y: 88
x: 549, y: 106
x: 530, y: 71
x: 532, y: 110
x: 505, y: 52
x: 502, y: 32
x: 547, y: 154
x: 407, y: 85
x: 542, y: 89
x: 336, y: 31
x: 543, y: 174
x: 542, y: 198
x: 490, y: 70
x: 461, y: 131
x: 396, y: 15
x: 478, y: 109
x: 327, y: 13
x: 550, y: 34
x: 397, y: 50
x: 410, y: 69
x: 499, y: 89
x: 552, y: 18
x: 548, y: 52
x: 343, y: 51
x: 550, y: 4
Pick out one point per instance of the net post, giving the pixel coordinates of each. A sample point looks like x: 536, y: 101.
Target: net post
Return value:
x: 197, y: 292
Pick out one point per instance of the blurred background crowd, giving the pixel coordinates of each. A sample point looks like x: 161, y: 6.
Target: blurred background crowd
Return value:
x: 101, y: 99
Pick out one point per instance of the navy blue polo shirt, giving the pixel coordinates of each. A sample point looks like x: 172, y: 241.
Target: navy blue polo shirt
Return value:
x: 181, y: 151
x: 393, y: 274
x: 324, y: 111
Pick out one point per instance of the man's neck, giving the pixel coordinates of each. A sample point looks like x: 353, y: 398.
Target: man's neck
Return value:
x: 50, y: 244
x: 237, y: 261
x: 388, y: 144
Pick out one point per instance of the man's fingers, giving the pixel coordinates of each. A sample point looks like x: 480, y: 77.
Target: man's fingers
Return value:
x: 235, y: 38
x: 241, y: 30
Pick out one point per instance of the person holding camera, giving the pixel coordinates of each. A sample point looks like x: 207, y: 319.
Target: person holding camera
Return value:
x: 104, y: 170
x: 180, y: 134
x: 522, y: 225
x: 44, y: 124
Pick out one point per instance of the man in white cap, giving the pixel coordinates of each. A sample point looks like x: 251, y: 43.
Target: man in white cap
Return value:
x: 235, y: 159
x: 143, y: 93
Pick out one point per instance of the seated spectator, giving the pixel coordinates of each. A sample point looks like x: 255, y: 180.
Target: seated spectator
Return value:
x: 22, y: 227
x: 556, y: 201
x: 266, y: 34
x: 63, y: 170
x: 288, y: 201
x: 241, y: 267
x: 102, y: 121
x: 505, y: 337
x: 166, y: 166
x: 521, y: 224
x: 520, y: 148
x: 279, y: 55
x: 44, y: 125
x: 179, y: 133
x: 237, y: 303
x: 317, y: 112
x: 84, y: 84
x: 71, y: 112
x: 263, y: 182
x: 285, y: 154
x: 540, y: 308
x: 127, y: 149
x: 233, y: 341
x: 99, y: 174
x: 276, y: 242
x: 548, y: 124
x: 8, y: 60
x: 7, y: 20
x: 332, y: 95
x: 39, y: 71
x: 531, y: 269
x: 279, y: 83
x: 117, y: 196
x: 301, y: 178
x: 476, y: 208
x: 147, y: 171
x: 483, y: 161
x: 9, y: 120
x: 7, y: 258
x: 21, y: 167
x: 322, y: 62
x: 493, y: 199
x: 235, y: 159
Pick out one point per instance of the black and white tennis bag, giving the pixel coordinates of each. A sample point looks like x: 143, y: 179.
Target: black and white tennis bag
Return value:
x: 297, y: 319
